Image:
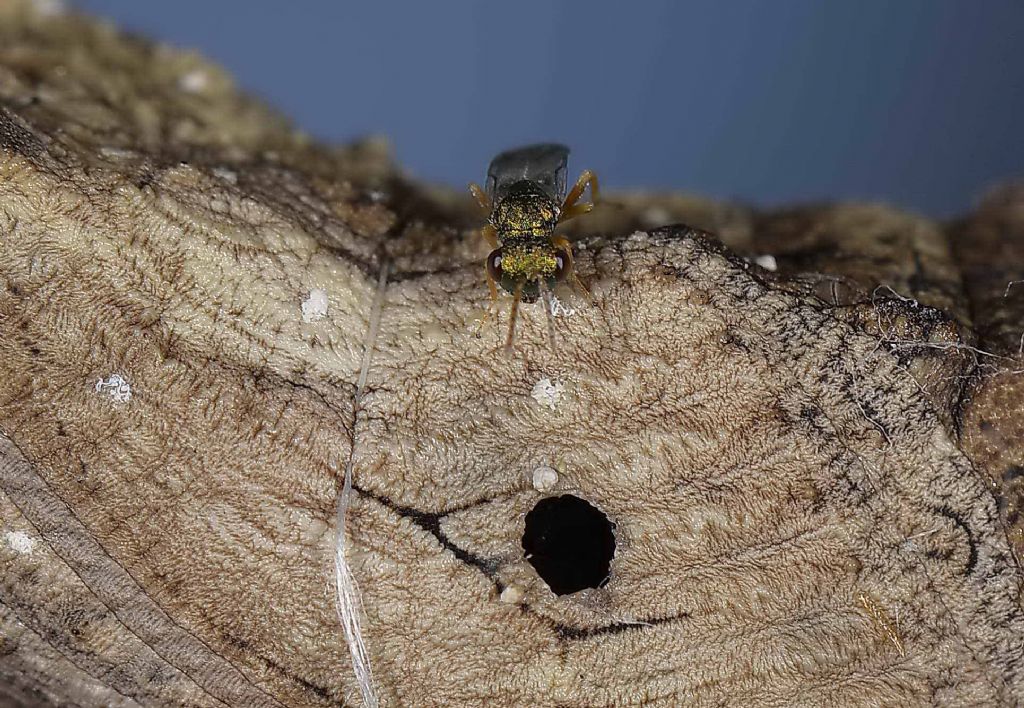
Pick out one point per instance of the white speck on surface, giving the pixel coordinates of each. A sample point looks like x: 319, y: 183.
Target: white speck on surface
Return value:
x: 20, y: 542
x: 910, y: 542
x: 560, y: 309
x: 545, y: 478
x: 767, y: 262
x: 194, y: 81
x: 116, y: 152
x: 547, y: 393
x: 512, y: 595
x: 117, y: 387
x: 229, y: 176
x: 314, y: 307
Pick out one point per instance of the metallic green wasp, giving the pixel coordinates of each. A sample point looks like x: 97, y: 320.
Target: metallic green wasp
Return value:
x: 525, y: 200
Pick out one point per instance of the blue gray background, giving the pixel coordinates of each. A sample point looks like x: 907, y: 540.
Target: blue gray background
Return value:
x: 916, y: 102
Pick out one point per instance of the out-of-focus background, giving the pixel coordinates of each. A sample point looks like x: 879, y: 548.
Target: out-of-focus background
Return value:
x: 919, y: 103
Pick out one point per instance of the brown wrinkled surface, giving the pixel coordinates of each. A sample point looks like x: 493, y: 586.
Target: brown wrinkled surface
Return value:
x: 809, y: 469
x: 990, y: 245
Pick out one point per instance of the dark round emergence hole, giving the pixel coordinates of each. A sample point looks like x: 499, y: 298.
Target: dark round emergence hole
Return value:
x: 570, y: 544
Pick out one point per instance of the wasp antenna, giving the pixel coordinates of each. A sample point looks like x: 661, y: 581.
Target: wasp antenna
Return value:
x: 512, y: 315
x: 546, y: 297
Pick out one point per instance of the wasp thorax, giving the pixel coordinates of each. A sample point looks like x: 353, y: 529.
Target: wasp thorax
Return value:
x: 525, y: 211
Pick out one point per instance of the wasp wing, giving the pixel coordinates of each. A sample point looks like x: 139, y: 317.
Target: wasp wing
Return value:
x: 544, y: 165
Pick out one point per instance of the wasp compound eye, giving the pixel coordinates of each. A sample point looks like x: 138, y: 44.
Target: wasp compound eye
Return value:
x: 570, y: 543
x: 562, y: 261
x: 494, y: 265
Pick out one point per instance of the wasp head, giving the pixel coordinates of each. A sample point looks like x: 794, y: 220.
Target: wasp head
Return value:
x: 525, y: 266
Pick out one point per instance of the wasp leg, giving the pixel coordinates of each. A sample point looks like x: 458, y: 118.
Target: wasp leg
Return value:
x: 494, y: 292
x: 570, y: 208
x: 481, y: 197
x: 491, y: 237
x: 512, y: 316
x: 491, y: 313
x: 546, y: 295
x: 566, y: 245
x: 492, y: 309
x: 574, y: 211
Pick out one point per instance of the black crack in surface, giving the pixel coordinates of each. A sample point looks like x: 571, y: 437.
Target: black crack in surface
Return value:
x: 568, y: 633
x: 320, y: 692
x: 431, y: 523
x: 972, y: 544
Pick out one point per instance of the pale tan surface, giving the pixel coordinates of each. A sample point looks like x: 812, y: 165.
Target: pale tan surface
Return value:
x: 769, y: 450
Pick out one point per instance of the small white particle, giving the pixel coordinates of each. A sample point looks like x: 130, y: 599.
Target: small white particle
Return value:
x: 547, y: 393
x: 194, y: 81
x: 560, y: 309
x: 116, y: 152
x: 20, y: 542
x: 545, y: 478
x: 767, y: 262
x: 116, y: 387
x: 512, y: 595
x: 229, y: 176
x: 314, y: 307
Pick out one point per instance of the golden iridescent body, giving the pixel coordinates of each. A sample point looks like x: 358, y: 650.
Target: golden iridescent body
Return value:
x: 525, y: 200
